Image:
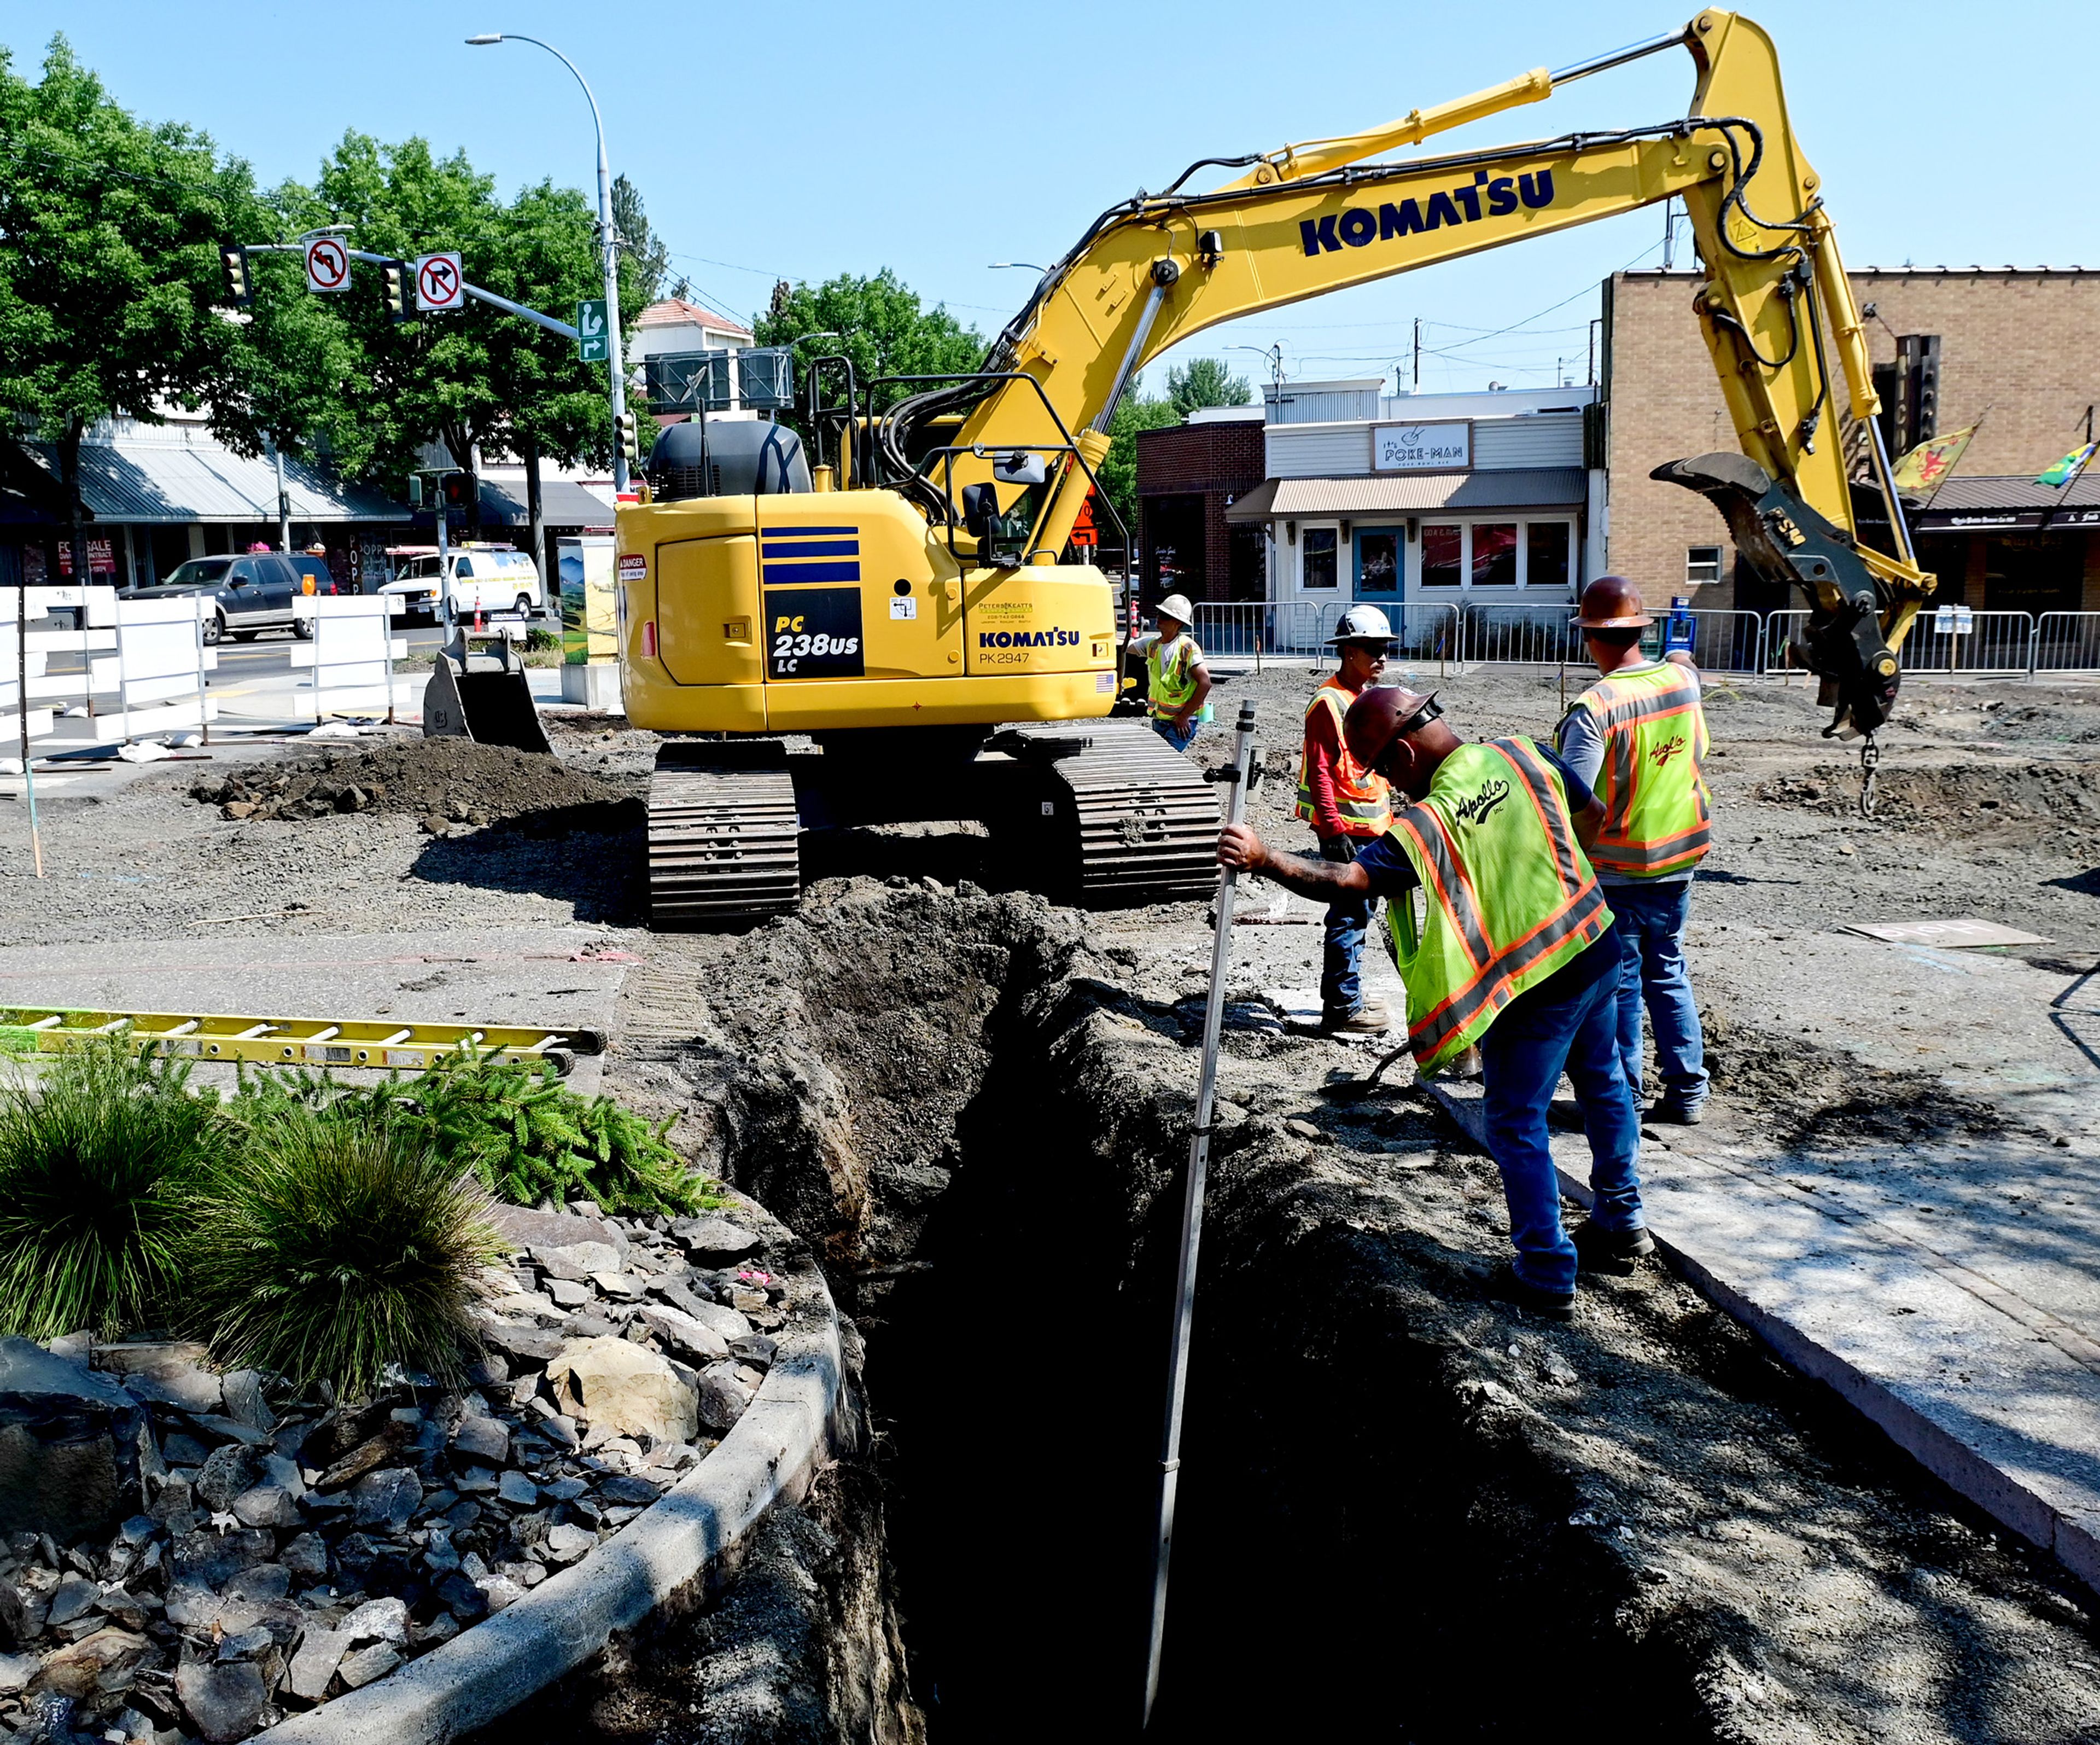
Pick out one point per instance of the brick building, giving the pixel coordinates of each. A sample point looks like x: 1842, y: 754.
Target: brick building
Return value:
x: 1188, y: 475
x: 2012, y: 347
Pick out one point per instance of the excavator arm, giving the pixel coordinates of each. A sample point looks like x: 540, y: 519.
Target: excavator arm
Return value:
x: 1776, y: 312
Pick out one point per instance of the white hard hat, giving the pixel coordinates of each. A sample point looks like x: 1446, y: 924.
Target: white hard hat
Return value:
x: 1176, y: 607
x: 1362, y: 623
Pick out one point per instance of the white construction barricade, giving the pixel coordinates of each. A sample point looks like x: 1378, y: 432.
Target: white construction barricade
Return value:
x: 161, y: 661
x: 350, y: 653
x: 2067, y: 642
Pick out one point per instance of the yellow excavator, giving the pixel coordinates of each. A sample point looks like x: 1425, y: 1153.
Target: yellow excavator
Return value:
x: 904, y: 604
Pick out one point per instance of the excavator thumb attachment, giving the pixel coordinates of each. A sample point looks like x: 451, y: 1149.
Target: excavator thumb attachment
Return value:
x: 1787, y: 542
x: 482, y: 697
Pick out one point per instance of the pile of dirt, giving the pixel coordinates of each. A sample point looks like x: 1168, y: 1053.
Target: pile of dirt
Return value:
x: 442, y: 781
x: 1954, y: 799
x: 1812, y: 1093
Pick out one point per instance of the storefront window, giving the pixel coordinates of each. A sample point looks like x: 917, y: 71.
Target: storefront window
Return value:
x: 1440, y: 556
x: 1546, y: 555
x: 1320, y: 568
x: 1494, y: 554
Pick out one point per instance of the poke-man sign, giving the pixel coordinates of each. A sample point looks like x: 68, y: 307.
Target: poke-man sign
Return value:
x: 439, y: 283
x: 328, y: 265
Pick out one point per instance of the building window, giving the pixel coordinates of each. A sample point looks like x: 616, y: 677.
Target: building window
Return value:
x: 1320, y: 557
x: 1441, y: 556
x: 1546, y: 555
x: 1494, y: 554
x: 1702, y: 564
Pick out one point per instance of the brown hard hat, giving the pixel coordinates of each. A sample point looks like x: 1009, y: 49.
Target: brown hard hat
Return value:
x: 1381, y: 715
x: 1612, y: 603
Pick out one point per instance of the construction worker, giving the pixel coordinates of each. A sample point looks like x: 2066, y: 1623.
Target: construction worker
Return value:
x: 1177, y: 682
x: 1346, y: 805
x: 1514, y: 951
x: 1638, y: 736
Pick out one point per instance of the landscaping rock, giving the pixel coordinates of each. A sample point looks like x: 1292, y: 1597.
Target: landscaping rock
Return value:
x: 522, y: 1339
x: 81, y: 1666
x: 14, y: 1616
x: 481, y: 1439
x: 387, y: 1498
x: 566, y: 1542
x: 268, y: 1505
x: 359, y: 1669
x: 616, y: 1385
x: 378, y: 1621
x: 62, y: 1427
x: 223, y: 1702
x: 720, y: 1397
x: 307, y: 1556
x: 263, y: 1585
x: 500, y: 1591
x: 15, y: 1672
x: 636, y: 1493
x: 181, y: 1385
x: 565, y: 1295
x: 320, y: 1653
x: 243, y: 1389
x: 577, y: 1262
x: 228, y: 1472
x: 729, y: 1322
x: 72, y: 1598
x: 757, y: 1350
x: 714, y: 1241
x: 210, y: 1559
x: 522, y: 1228
x: 362, y: 1458
x: 685, y: 1334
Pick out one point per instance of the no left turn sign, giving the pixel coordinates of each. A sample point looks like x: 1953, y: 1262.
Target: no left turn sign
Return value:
x: 328, y: 265
x: 439, y: 284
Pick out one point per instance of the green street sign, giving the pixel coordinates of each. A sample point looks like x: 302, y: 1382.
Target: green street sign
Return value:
x: 593, y: 343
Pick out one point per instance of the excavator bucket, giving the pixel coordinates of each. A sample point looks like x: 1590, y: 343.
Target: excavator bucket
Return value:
x: 482, y: 697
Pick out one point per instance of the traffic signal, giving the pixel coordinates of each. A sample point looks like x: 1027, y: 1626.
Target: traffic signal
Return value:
x: 415, y: 490
x: 459, y: 490
x: 239, y: 291
x: 399, y: 307
x: 630, y: 445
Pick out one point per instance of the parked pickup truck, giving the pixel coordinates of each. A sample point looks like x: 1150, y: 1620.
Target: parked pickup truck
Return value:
x: 253, y: 592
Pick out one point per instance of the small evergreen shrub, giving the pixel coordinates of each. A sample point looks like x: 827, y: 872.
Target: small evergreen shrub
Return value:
x: 100, y: 1161
x: 330, y: 1249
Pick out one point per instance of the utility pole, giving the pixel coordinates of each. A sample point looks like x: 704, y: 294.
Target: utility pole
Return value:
x: 1417, y: 353
x: 284, y: 500
x: 1670, y: 233
x: 1596, y: 322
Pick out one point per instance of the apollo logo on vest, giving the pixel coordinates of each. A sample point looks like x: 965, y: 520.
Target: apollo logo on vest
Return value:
x: 1666, y: 750
x: 1475, y: 810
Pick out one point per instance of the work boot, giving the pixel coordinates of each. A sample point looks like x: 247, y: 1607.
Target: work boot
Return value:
x: 1669, y: 1112
x: 1506, y: 1286
x: 1611, y: 1251
x: 1369, y: 1019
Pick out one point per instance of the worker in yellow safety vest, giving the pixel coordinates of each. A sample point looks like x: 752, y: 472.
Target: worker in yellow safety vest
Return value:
x: 1639, y: 737
x: 1513, y: 949
x: 1177, y: 682
x: 1346, y: 805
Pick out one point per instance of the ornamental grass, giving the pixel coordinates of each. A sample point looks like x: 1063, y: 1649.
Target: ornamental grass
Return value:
x: 334, y: 1250
x: 100, y: 1160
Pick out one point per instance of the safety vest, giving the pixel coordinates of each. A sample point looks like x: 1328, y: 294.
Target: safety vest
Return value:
x: 1507, y: 896
x: 1363, y: 796
x: 1171, y: 670
x: 1658, y: 811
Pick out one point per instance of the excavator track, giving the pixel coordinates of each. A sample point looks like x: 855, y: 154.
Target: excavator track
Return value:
x: 1147, y: 819
x: 723, y: 839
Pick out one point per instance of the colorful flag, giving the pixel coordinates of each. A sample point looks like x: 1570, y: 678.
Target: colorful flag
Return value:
x: 2068, y: 468
x: 1924, y: 468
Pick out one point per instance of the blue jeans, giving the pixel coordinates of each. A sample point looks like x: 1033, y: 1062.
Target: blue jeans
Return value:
x: 1651, y: 925
x: 1522, y: 1056
x: 1179, y: 738
x: 1341, y: 985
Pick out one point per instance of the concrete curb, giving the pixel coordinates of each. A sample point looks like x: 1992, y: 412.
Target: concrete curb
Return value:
x: 2009, y: 1488
x: 772, y: 1453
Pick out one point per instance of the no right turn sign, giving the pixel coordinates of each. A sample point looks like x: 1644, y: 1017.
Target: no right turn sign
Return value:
x: 439, y: 283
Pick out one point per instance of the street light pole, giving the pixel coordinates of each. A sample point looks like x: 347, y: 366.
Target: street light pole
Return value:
x: 615, y: 363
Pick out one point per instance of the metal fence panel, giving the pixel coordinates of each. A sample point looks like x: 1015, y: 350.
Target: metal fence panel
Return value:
x: 1955, y: 639
x: 1520, y: 635
x: 1780, y: 630
x: 2068, y: 642
x: 1727, y: 642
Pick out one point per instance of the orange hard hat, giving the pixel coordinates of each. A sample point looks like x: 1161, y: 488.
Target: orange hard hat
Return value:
x: 1612, y: 603
x: 1381, y: 715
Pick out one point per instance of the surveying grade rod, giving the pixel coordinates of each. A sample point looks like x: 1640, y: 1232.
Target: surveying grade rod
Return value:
x: 1191, y: 1216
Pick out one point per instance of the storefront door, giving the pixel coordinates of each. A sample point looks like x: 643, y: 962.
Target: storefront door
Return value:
x: 1381, y: 564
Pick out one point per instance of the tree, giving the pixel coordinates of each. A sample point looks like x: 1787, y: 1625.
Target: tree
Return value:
x: 1202, y: 382
x: 882, y: 326
x: 644, y: 256
x: 110, y: 233
x: 1136, y: 410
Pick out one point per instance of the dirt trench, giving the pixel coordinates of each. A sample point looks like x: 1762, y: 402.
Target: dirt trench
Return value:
x: 1406, y: 1509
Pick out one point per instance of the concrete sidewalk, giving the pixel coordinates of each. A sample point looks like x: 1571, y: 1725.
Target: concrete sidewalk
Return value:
x: 1948, y: 1286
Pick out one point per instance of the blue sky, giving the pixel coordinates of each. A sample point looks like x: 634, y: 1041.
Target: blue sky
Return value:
x: 935, y: 142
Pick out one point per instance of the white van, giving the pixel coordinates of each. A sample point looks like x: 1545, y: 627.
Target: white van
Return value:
x: 474, y: 579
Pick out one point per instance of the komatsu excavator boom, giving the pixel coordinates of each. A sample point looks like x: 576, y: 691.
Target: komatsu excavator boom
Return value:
x: 914, y: 583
